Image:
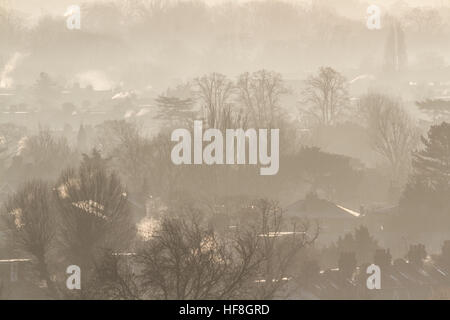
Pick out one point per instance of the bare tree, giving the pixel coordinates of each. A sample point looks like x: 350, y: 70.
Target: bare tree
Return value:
x: 93, y: 212
x: 184, y: 261
x: 215, y: 93
x: 278, y: 246
x: 392, y: 132
x: 146, y: 167
x: 30, y: 217
x: 113, y: 133
x: 143, y: 163
x: 325, y: 95
x: 260, y: 94
x: 188, y: 259
x: 46, y: 154
x: 113, y: 277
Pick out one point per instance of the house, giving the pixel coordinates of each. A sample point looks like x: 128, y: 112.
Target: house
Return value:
x: 333, y: 219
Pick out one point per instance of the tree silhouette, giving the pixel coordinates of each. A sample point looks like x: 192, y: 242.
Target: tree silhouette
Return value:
x: 260, y: 93
x: 215, y: 92
x: 45, y: 155
x: 325, y: 95
x: 391, y: 131
x: 427, y: 195
x: 30, y: 216
x: 187, y: 258
x: 93, y: 211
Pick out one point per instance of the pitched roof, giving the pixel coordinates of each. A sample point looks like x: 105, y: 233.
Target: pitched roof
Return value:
x: 319, y: 208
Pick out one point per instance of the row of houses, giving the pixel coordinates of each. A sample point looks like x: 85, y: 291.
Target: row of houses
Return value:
x: 410, y: 279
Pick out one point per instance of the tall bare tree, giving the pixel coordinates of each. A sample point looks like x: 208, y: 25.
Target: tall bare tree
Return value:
x: 30, y: 216
x: 215, y: 93
x: 325, y: 95
x: 392, y: 132
x: 260, y: 94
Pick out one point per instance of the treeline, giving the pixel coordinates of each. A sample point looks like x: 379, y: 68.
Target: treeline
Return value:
x: 280, y: 34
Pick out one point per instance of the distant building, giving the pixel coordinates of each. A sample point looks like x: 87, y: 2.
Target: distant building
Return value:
x: 333, y: 219
x: 402, y: 279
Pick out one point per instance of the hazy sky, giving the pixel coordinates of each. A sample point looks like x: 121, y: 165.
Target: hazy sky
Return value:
x: 33, y: 9
x: 56, y: 6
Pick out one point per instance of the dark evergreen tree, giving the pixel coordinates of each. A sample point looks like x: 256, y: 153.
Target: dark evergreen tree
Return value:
x: 426, y: 198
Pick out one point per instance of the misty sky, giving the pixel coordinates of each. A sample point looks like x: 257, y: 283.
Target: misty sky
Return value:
x: 37, y: 7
